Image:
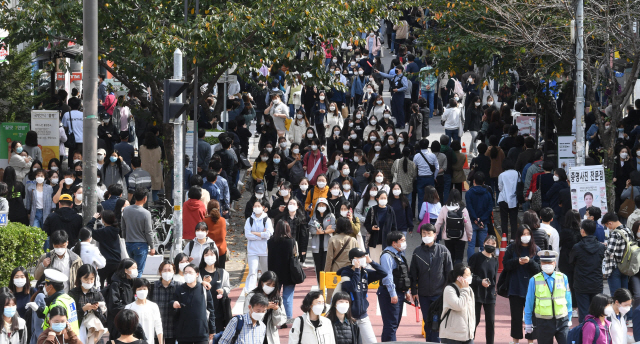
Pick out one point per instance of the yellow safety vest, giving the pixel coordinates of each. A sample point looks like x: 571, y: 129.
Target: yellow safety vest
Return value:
x: 546, y: 304
x: 69, y: 304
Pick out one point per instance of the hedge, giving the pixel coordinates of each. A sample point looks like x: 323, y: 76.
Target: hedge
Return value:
x: 20, y: 245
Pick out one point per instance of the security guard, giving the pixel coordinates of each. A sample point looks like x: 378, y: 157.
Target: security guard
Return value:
x: 54, y: 296
x: 549, y: 299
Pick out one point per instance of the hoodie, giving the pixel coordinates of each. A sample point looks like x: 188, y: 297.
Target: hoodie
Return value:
x: 193, y: 212
x: 589, y: 330
x: 586, y: 257
x: 65, y: 219
x: 358, y: 285
x: 195, y: 319
x: 479, y: 204
x: 257, y: 245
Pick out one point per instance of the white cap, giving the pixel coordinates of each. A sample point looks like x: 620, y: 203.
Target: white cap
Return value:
x: 53, y: 275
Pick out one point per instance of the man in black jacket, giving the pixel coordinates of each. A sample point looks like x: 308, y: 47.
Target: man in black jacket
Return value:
x: 429, y: 268
x: 586, y: 257
x: 527, y: 155
x: 65, y: 219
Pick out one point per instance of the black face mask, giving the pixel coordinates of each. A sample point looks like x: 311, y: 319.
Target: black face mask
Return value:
x: 489, y: 249
x: 78, y: 173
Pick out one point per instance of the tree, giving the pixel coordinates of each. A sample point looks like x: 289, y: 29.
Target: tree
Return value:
x: 18, y: 96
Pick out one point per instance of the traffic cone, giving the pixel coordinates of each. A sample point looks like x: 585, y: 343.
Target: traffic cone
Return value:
x: 466, y: 157
x: 503, y: 249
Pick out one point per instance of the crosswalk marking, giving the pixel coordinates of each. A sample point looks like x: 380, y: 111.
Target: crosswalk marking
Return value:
x: 404, y: 309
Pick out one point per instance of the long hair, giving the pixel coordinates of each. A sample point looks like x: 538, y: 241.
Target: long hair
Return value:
x: 10, y: 179
x: 533, y: 248
x: 406, y: 153
x: 269, y: 276
x: 402, y: 197
x: 213, y: 210
x: 331, y: 314
x: 530, y: 218
x: 203, y: 264
x: 12, y: 286
x: 282, y: 230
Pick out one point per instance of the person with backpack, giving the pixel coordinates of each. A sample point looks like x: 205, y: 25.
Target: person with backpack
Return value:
x: 479, y: 203
x: 586, y: 257
x: 195, y: 247
x: 552, y: 319
x: 120, y: 292
x: 193, y: 305
x: 430, y: 265
x: 484, y: 269
x: 254, y: 332
x: 355, y: 280
x: 60, y: 258
x: 596, y: 327
x: 396, y: 284
x: 455, y: 224
x: 620, y: 240
x: 15, y: 329
x: 458, y: 319
x: 258, y: 229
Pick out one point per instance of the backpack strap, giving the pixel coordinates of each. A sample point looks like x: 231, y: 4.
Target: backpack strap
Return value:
x: 239, y: 326
x: 301, y: 328
x: 190, y: 245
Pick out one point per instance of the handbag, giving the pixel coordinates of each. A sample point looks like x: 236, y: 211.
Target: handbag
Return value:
x: 536, y: 200
x: 244, y: 162
x: 287, y: 123
x: 502, y: 287
x: 297, y: 273
x: 628, y: 206
x: 71, y: 136
x: 425, y: 219
x: 123, y: 248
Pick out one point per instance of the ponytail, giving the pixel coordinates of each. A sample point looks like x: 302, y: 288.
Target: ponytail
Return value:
x: 494, y: 152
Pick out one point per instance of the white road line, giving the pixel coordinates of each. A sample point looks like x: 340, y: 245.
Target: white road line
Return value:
x: 404, y: 309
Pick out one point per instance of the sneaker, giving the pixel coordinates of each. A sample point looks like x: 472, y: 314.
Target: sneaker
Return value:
x: 240, y: 183
x: 574, y: 314
x: 284, y: 326
x: 290, y: 321
x: 629, y: 323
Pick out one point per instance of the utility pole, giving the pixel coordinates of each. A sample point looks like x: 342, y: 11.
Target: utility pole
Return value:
x: 580, y: 139
x: 90, y: 114
x: 178, y: 159
x: 196, y: 94
x: 225, y: 96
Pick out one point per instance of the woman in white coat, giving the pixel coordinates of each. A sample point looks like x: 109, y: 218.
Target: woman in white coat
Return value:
x: 333, y: 118
x: 311, y: 327
x: 14, y: 330
x: 269, y: 286
x: 458, y: 301
x: 452, y: 120
x: 298, y: 127
x: 258, y: 229
x: 622, y: 303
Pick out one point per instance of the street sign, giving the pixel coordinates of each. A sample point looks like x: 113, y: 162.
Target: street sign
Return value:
x: 230, y: 78
x: 4, y: 218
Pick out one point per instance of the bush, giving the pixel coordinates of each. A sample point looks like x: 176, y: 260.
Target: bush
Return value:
x: 20, y: 245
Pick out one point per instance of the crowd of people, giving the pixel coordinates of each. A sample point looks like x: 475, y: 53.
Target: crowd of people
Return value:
x: 339, y: 175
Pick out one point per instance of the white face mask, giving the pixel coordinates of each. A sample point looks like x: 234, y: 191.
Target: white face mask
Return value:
x: 299, y: 116
x: 133, y: 273
x: 267, y: 289
x: 321, y: 185
x: 60, y: 251
x: 344, y: 213
x: 608, y: 311
x: 314, y: 147
x: 373, y: 122
x: 304, y: 187
x: 55, y: 168
x: 346, y: 187
x: 257, y: 316
x: 167, y: 276
x: 296, y: 151
x: 478, y: 104
x: 525, y: 239
x: 19, y: 282
x: 358, y: 116
x: 54, y: 181
x: 548, y: 268
x: 259, y: 196
x: 606, y: 127
x: 201, y: 234
x: 391, y: 141
x: 377, y: 148
x: 469, y: 279
x: 335, y: 192
x: 68, y: 181
x: 283, y: 144
x: 284, y: 193
x: 624, y: 309
x: 310, y: 136
x: 258, y: 210
x: 334, y: 60
x: 210, y: 260
x: 270, y: 149
x: 624, y: 155
x: 79, y: 197
x: 346, y: 171
x: 142, y: 294
x: 373, y: 193
x: 332, y: 108
x: 346, y: 147
x: 387, y: 115
x: 403, y: 246
x: 322, y: 209
x: 317, y: 309
x: 360, y: 72
x: 400, y: 139
x: 181, y: 266
x: 382, y: 202
x: 292, y: 207
x: 556, y: 178
x: 321, y: 97
x: 379, y: 179
x: 76, y: 161
x: 39, y: 180
x: 397, y: 192
x: 353, y: 137
x: 342, y: 308
x: 87, y: 285
x: 356, y: 159
x: 489, y: 103
x: 378, y: 102
x: 189, y: 278
x: 470, y: 80
x: 427, y: 239
x: 638, y: 153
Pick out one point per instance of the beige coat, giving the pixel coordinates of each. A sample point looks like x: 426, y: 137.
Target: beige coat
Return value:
x: 461, y: 323
x: 335, y: 245
x: 74, y: 259
x: 402, y: 30
x: 152, y: 164
x: 441, y: 223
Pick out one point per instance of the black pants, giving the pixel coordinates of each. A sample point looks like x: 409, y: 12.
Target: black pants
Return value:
x: 516, y: 306
x: 440, y: 188
x: 583, y: 302
x: 547, y: 329
x: 508, y: 215
x: 489, y: 319
x: 319, y: 259
x: 456, y: 248
x: 222, y: 260
x: 457, y: 186
x: 106, y: 273
x: 320, y: 128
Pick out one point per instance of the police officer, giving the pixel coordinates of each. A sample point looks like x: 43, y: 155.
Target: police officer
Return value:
x: 398, y: 85
x: 549, y: 300
x: 396, y: 285
x: 55, y: 296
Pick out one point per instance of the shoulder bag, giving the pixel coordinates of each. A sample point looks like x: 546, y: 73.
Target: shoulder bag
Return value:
x: 295, y: 268
x: 71, y: 136
x: 628, y: 206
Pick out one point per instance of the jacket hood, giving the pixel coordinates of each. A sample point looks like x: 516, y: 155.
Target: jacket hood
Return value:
x: 259, y: 217
x: 192, y: 204
x: 67, y: 214
x: 478, y: 191
x: 347, y: 271
x: 591, y: 244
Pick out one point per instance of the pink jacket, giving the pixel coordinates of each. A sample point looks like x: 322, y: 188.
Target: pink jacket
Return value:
x: 589, y: 331
x: 309, y: 161
x: 441, y: 222
x: 376, y: 45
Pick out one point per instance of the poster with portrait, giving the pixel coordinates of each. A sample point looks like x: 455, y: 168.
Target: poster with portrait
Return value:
x: 566, y: 152
x: 526, y: 124
x: 47, y: 124
x: 587, y: 188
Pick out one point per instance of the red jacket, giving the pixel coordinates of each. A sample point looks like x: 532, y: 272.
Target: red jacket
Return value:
x: 193, y: 212
x: 309, y: 162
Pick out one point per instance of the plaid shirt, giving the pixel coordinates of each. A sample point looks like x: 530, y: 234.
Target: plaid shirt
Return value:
x: 250, y: 334
x: 428, y: 79
x: 405, y: 179
x: 616, y: 246
x: 162, y: 297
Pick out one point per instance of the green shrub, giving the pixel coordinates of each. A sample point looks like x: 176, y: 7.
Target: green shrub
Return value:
x: 20, y: 245
x: 211, y: 140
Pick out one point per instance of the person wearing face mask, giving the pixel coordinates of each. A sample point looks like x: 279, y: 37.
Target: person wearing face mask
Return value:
x: 120, y: 292
x: 458, y: 306
x: 378, y: 109
x: 631, y: 190
x: 335, y: 142
x: 257, y: 229
x: 164, y: 290
x: 39, y: 200
x: 331, y: 120
x: 14, y: 330
x: 321, y: 190
x: 20, y: 163
x: 323, y: 223
x: 473, y: 123
x: 312, y: 327
x: 279, y: 111
x: 344, y: 176
x: 196, y: 247
x: 115, y: 172
x: 399, y: 83
x: 250, y: 326
x: 148, y: 311
x: 55, y: 297
x: 298, y: 127
x: 586, y: 255
x: 621, y: 305
x: 380, y: 220
x: 60, y: 258
x: 258, y: 195
x: 193, y: 306
x: 87, y: 296
x: 314, y: 163
x: 345, y: 327
x: 107, y: 131
x: 359, y: 82
x: 218, y: 278
x: 395, y: 286
x: 275, y: 316
x: 282, y: 247
x: 65, y: 218
x: 619, y: 234
x: 552, y: 319
x: 60, y: 332
x: 19, y: 284
x: 484, y: 269
x: 521, y: 262
x: 319, y: 112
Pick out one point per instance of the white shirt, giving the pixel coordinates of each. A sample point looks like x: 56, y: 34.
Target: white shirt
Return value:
x: 149, y: 318
x: 76, y: 118
x: 507, y: 183
x: 451, y: 118
x: 554, y: 238
x: 618, y: 330
x: 90, y: 254
x: 257, y: 245
x: 39, y: 199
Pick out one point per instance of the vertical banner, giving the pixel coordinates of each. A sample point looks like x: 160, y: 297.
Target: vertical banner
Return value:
x: 47, y: 124
x: 566, y: 152
x: 588, y: 188
x: 10, y: 132
x: 188, y: 147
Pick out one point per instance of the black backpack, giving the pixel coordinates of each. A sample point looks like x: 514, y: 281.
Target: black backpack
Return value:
x: 264, y: 222
x: 435, y: 310
x: 455, y: 224
x: 296, y: 173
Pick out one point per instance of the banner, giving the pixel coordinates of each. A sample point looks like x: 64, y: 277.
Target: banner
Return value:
x: 566, y: 152
x: 47, y: 124
x: 526, y: 125
x: 587, y: 188
x: 10, y: 132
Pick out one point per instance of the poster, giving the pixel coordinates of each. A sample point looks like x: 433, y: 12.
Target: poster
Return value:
x: 4, y: 49
x: 526, y: 125
x: 566, y: 152
x: 10, y: 132
x: 47, y: 124
x: 588, y: 188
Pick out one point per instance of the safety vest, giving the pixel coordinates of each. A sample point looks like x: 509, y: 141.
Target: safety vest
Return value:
x: 69, y: 304
x: 547, y: 305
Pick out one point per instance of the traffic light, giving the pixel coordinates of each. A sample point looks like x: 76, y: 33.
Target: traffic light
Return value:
x: 172, y: 89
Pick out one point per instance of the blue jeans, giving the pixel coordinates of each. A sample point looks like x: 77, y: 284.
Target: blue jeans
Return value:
x: 154, y: 194
x: 287, y: 299
x: 447, y: 188
x: 453, y: 134
x: 38, y: 221
x: 393, y: 41
x: 391, y: 314
x: 421, y: 184
x: 493, y: 182
x: 138, y: 252
x: 479, y: 234
x: 292, y: 109
x: 617, y: 280
x: 425, y: 302
x: 429, y: 96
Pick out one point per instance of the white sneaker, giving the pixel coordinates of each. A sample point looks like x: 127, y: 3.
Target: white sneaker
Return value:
x: 629, y: 323
x: 240, y: 183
